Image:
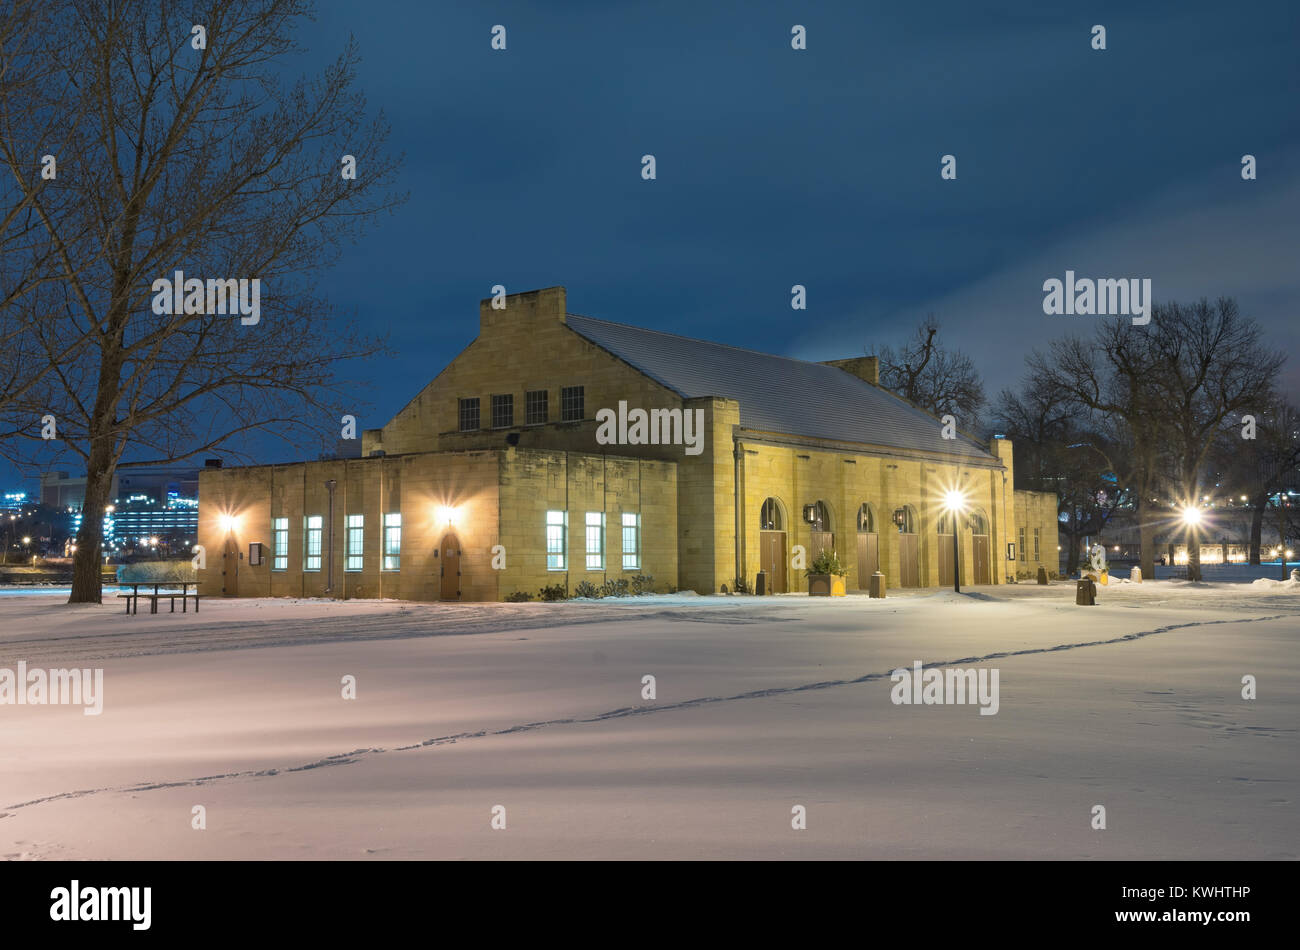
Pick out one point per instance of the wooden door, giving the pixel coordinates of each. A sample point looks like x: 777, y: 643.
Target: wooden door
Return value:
x: 868, y: 558
x: 230, y: 568
x: 450, y: 567
x: 944, y: 545
x: 771, y: 548
x: 909, y: 564
x: 819, y: 541
x: 980, y: 555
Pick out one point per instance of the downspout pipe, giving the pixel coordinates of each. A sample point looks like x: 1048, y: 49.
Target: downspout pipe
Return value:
x: 329, y: 580
x: 738, y: 495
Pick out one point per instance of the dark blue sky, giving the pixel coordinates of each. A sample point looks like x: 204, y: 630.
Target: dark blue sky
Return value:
x: 820, y: 167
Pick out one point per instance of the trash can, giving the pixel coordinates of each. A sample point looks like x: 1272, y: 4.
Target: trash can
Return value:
x: 760, y: 583
x: 1042, y: 575
x: 1085, y: 592
x: 877, y: 588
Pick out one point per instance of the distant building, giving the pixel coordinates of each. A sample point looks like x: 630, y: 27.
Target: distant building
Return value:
x: 506, y: 474
x: 63, y: 490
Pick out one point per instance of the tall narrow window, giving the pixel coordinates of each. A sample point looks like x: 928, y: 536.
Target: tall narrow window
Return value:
x: 557, y: 523
x: 595, y: 540
x: 572, y: 405
x: 280, y: 535
x: 393, y: 541
x: 312, y: 542
x: 1037, y: 557
x: 1024, y: 551
x: 631, y: 541
x: 503, y: 411
x: 468, y: 415
x: 535, y: 407
x: 356, y: 537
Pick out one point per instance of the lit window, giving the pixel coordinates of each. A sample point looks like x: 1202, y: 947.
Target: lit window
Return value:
x: 355, y: 538
x: 312, y: 542
x: 393, y: 541
x: 595, y: 540
x: 631, y: 541
x: 280, y: 533
x: 557, y: 524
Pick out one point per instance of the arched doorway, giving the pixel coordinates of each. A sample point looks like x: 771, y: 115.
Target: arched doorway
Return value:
x: 909, y: 547
x: 981, y: 549
x: 868, y: 545
x: 821, y: 534
x: 450, y: 587
x: 771, y: 545
x: 943, y: 547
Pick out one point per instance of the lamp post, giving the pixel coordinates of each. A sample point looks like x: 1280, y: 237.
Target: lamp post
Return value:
x: 955, y: 503
x: 1192, y: 518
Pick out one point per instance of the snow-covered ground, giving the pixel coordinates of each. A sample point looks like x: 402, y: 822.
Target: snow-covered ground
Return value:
x: 762, y: 704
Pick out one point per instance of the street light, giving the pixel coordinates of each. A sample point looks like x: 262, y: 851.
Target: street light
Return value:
x: 955, y: 503
x: 1192, y: 519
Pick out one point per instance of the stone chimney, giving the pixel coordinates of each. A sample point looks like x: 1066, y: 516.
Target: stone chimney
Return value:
x: 864, y: 367
x: 530, y: 307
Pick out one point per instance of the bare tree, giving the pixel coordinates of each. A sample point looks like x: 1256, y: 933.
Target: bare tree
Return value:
x: 937, y: 379
x: 1209, y: 367
x: 1261, y: 467
x: 36, y: 104
x: 1060, y: 448
x: 193, y: 156
x: 1168, y: 389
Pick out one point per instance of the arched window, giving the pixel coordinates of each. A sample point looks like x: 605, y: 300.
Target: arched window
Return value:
x: 769, y: 518
x: 944, y: 524
x: 866, y: 519
x: 979, y: 524
x: 818, y: 516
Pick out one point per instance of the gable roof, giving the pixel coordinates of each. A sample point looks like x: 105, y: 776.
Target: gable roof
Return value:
x: 777, y: 393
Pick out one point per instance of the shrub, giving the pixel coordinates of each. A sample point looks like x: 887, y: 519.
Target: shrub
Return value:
x: 643, y: 584
x: 614, y: 588
x: 742, y: 587
x: 157, y: 572
x: 826, y: 562
x: 586, y: 589
x: 518, y: 597
x: 552, y: 593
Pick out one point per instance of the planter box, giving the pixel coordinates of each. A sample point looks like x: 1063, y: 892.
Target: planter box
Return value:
x: 827, y: 585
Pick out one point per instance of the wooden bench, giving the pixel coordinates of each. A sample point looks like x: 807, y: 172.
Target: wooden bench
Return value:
x: 133, y: 598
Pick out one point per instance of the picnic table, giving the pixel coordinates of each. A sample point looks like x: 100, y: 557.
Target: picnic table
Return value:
x: 133, y: 598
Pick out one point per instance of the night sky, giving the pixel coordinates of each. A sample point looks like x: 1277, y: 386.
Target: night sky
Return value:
x: 819, y: 167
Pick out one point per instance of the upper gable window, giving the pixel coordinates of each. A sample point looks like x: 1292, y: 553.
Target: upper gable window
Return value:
x: 572, y: 408
x: 535, y: 407
x: 468, y: 415
x: 503, y: 411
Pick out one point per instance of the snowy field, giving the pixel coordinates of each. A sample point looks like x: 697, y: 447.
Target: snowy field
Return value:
x: 762, y: 704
